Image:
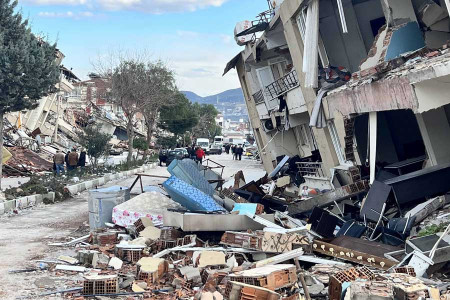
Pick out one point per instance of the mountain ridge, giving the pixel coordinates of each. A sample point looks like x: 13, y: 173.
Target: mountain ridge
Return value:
x: 228, y: 96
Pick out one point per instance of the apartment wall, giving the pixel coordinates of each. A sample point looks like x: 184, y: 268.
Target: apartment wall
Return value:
x: 366, y: 12
x: 260, y: 135
x: 435, y: 128
x: 288, y: 13
x: 343, y: 49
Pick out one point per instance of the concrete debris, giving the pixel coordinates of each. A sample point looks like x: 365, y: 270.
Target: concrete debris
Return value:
x: 341, y: 244
x: 211, y: 258
x: 115, y: 263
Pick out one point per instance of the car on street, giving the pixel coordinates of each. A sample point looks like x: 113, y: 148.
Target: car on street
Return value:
x: 184, y: 151
x: 115, y: 151
x: 215, y: 149
x: 174, y: 154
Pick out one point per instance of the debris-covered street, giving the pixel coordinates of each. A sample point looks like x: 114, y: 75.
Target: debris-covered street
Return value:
x: 33, y: 229
x: 225, y: 149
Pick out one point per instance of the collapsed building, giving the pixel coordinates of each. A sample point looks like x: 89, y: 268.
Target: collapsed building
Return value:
x: 344, y: 85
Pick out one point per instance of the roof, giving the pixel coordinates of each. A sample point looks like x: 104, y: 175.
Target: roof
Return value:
x: 232, y: 63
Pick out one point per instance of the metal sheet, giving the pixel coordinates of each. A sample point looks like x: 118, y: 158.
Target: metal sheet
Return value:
x: 429, y: 182
x: 203, y: 222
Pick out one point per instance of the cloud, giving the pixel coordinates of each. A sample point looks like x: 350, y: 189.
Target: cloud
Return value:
x: 56, y: 2
x: 148, y: 6
x: 66, y: 14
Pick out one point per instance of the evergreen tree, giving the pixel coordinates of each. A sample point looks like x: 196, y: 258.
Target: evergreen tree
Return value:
x: 28, y: 66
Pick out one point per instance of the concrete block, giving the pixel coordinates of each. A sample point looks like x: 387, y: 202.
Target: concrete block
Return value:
x: 10, y: 205
x: 436, y: 39
x: 73, y: 189
x: 431, y: 13
x: 89, y: 184
x: 2, y: 208
x: 443, y: 25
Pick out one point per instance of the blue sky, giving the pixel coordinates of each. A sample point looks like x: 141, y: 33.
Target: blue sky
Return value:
x: 194, y: 37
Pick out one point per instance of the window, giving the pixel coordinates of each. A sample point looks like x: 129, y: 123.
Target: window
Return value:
x: 301, y: 22
x: 336, y: 141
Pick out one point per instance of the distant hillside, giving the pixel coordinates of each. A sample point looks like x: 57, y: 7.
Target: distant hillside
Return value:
x: 229, y: 96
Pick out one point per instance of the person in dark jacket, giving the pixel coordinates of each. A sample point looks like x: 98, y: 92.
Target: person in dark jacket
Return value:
x: 162, y: 157
x: 239, y: 151
x: 227, y: 149
x: 66, y: 159
x: 82, y: 158
x: 233, y: 151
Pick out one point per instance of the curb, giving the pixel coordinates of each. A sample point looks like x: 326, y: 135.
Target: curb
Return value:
x: 32, y: 200
x: 81, y: 187
x: 24, y: 202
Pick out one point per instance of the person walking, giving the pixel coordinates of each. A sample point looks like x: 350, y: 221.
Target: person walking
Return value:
x: 227, y: 149
x: 82, y: 158
x: 239, y: 152
x: 233, y: 151
x: 73, y: 159
x: 58, y: 160
x: 200, y: 154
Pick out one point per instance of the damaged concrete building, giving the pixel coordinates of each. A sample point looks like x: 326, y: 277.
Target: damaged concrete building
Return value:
x: 50, y: 116
x: 349, y: 84
x: 91, y: 98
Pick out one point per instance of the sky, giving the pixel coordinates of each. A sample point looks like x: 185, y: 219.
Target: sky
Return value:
x: 193, y: 37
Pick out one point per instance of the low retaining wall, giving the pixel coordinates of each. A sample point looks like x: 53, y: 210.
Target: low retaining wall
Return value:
x: 33, y: 200
x: 25, y: 202
x: 81, y: 187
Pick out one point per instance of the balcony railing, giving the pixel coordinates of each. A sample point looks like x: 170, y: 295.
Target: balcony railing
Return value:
x: 312, y: 169
x: 283, y: 85
x: 258, y: 97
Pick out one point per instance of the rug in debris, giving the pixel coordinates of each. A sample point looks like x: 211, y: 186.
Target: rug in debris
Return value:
x: 150, y: 205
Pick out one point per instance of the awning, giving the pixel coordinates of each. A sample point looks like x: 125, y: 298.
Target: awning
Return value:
x: 254, y: 29
x: 232, y: 64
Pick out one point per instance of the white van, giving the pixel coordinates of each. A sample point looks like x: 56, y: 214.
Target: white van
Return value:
x: 204, y: 144
x: 218, y: 140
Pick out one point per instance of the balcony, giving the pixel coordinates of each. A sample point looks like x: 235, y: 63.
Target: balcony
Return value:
x: 258, y: 97
x: 283, y: 85
x: 311, y: 169
x: 314, y: 175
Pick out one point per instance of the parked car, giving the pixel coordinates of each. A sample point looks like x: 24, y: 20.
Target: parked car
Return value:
x: 174, y: 154
x: 184, y: 151
x: 215, y: 149
x: 115, y: 151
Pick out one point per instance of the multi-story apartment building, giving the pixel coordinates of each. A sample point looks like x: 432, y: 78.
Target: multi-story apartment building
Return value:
x: 48, y: 116
x: 349, y: 83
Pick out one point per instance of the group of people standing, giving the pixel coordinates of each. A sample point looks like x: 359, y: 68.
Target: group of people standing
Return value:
x: 237, y: 151
x: 196, y: 153
x: 71, y: 159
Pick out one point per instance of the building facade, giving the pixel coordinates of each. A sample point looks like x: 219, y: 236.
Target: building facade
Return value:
x: 363, y: 85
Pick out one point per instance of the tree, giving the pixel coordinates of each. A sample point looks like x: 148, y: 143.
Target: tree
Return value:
x: 128, y: 90
x: 96, y: 143
x: 140, y: 144
x: 179, y: 117
x: 161, y: 90
x: 28, y: 67
x: 206, y: 127
x: 167, y: 142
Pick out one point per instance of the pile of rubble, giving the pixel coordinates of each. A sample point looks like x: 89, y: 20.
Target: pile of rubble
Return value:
x: 188, y: 241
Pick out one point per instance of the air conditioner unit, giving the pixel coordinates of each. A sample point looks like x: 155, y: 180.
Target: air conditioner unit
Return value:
x: 268, y: 125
